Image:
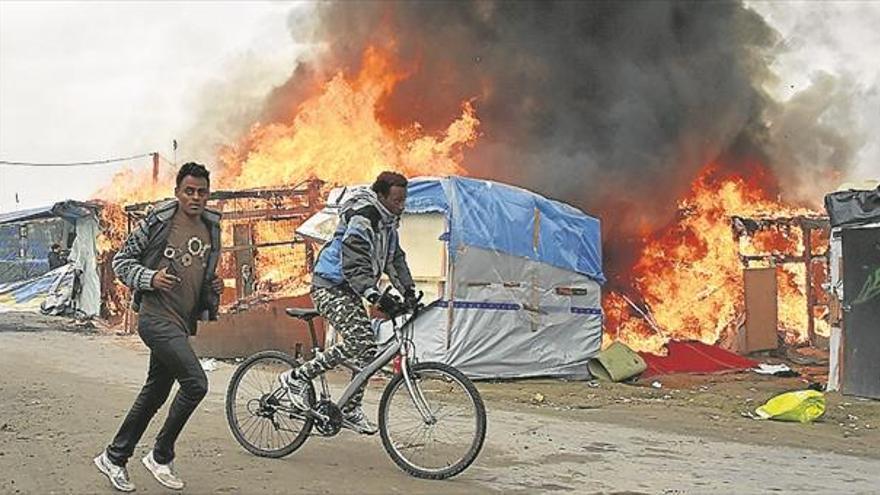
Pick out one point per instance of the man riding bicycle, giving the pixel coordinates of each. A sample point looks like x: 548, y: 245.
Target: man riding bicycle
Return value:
x: 364, y: 245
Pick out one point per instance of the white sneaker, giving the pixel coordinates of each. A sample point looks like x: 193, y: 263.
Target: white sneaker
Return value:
x: 297, y: 390
x: 117, y: 475
x: 357, y: 421
x: 164, y: 473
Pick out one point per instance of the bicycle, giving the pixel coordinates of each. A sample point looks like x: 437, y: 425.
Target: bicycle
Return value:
x: 419, y: 400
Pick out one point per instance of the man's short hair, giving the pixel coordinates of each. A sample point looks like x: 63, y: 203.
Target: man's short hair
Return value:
x: 56, y: 246
x: 386, y: 180
x: 195, y: 170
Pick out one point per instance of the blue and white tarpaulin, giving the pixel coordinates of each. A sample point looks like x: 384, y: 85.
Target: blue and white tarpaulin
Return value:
x: 519, y: 291
x: 74, y: 288
x: 511, y: 220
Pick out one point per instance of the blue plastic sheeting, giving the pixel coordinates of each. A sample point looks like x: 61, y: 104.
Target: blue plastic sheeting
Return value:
x: 28, y: 294
x: 10, y: 242
x: 504, y: 218
x: 34, y: 245
x: 426, y: 196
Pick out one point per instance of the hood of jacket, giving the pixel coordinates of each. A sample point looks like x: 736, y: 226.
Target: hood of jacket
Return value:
x: 364, y: 196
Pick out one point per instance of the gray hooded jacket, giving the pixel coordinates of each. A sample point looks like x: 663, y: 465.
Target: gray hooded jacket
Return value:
x: 364, y: 245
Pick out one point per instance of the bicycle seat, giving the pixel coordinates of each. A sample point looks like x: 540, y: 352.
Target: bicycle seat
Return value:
x: 302, y: 313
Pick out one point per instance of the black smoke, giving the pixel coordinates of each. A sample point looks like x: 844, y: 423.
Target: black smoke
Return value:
x: 611, y: 106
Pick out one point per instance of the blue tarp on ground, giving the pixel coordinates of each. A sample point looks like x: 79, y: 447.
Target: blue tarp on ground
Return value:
x: 26, y: 295
x: 512, y: 220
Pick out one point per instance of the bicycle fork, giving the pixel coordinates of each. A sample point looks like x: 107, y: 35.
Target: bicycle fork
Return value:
x: 415, y: 392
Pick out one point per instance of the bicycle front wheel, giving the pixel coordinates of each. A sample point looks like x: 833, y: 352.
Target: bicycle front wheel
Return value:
x: 260, y: 417
x: 448, y: 440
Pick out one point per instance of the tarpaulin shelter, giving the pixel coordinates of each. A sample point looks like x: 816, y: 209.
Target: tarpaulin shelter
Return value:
x: 26, y: 283
x: 515, y: 278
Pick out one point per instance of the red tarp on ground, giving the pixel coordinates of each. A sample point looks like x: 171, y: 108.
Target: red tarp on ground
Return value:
x: 694, y: 357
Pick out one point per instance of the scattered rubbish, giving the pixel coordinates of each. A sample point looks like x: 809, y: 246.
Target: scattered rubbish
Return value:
x: 802, y: 405
x: 538, y: 398
x: 774, y: 370
x: 616, y: 363
x: 656, y: 384
x: 209, y: 364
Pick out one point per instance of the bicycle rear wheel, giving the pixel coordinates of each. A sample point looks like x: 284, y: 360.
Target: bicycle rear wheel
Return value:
x: 444, y: 446
x: 262, y: 422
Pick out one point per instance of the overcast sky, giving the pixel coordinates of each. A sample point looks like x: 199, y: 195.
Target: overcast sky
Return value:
x: 83, y: 81
x: 93, y: 80
x: 841, y: 38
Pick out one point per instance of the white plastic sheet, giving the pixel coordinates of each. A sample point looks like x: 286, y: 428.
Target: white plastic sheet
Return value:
x: 507, y: 319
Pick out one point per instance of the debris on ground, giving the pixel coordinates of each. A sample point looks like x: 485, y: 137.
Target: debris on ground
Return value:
x: 209, y: 364
x: 781, y: 369
x: 617, y: 363
x: 802, y: 406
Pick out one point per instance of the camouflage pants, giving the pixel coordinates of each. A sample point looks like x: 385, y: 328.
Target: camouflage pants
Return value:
x: 343, y: 309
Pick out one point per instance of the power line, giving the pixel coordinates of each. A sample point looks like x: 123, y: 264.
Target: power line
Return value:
x: 74, y: 164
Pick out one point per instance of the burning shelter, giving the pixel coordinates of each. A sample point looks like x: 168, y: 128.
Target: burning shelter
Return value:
x: 264, y: 267
x: 26, y: 281
x: 514, y: 278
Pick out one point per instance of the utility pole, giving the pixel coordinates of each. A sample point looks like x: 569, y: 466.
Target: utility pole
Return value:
x: 155, y: 167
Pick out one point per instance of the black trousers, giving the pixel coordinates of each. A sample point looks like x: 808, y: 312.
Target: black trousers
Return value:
x: 171, y: 358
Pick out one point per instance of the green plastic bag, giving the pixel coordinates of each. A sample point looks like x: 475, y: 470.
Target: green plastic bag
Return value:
x: 803, y: 406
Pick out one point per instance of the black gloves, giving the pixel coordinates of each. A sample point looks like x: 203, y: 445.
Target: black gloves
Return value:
x: 391, y: 305
x: 412, y: 299
x: 387, y: 303
x: 372, y: 297
x: 409, y: 298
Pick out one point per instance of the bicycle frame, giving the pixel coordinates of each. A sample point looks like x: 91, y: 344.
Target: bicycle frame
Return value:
x: 384, y: 356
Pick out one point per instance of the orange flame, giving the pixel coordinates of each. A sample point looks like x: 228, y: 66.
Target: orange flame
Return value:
x: 690, y: 276
x: 338, y: 137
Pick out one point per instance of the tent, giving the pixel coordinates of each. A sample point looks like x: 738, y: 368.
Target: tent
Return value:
x: 26, y: 283
x: 515, y: 278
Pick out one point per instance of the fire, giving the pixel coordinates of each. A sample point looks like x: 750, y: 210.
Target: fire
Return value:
x: 689, y: 277
x: 338, y: 136
x: 274, y: 263
x: 132, y: 185
x: 113, y: 228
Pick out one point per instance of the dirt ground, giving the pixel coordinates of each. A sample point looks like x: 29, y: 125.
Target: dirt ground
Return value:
x: 62, y: 394
x: 705, y: 405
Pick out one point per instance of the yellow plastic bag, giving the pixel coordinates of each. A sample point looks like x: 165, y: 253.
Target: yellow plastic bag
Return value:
x: 802, y: 405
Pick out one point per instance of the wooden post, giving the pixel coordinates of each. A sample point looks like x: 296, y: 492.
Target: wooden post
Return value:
x: 807, y: 231
x: 155, y: 167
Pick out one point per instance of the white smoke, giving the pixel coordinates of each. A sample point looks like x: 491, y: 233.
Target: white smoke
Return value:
x: 827, y: 74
